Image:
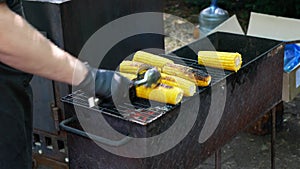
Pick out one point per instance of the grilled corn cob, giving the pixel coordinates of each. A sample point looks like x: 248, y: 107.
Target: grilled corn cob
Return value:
x: 151, y: 59
x: 197, y: 76
x: 223, y: 60
x: 162, y: 93
x: 189, y: 88
x: 132, y: 67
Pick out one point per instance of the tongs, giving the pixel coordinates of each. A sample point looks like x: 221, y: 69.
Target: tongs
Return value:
x: 148, y: 76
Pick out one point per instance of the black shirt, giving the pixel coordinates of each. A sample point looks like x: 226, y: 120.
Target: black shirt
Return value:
x: 11, y: 3
x: 14, y: 5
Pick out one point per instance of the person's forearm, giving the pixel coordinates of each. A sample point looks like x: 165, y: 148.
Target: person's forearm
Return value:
x: 24, y: 48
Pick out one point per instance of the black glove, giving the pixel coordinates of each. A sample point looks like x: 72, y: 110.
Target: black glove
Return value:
x: 110, y: 87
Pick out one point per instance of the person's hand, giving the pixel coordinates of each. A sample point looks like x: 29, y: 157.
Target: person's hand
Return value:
x: 110, y: 87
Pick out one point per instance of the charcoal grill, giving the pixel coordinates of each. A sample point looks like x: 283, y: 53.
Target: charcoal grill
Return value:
x: 251, y: 92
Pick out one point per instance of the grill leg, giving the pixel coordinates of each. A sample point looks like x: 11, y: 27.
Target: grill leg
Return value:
x: 273, y: 137
x: 218, y: 159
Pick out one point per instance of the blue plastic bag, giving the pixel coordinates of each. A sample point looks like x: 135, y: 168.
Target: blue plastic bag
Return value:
x: 291, y: 57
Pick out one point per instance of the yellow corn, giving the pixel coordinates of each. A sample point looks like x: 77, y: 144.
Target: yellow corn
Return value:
x: 132, y: 67
x: 162, y: 93
x: 199, y: 77
x: 151, y: 59
x: 189, y: 88
x: 222, y: 60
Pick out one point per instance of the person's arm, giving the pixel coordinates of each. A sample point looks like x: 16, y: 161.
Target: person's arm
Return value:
x: 26, y: 49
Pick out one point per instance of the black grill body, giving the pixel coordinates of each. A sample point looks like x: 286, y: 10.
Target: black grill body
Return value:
x: 250, y: 93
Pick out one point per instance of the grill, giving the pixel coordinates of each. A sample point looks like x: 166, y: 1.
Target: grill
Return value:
x: 250, y: 93
x: 141, y: 111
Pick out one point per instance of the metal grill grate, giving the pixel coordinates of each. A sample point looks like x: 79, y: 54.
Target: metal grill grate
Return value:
x: 141, y: 111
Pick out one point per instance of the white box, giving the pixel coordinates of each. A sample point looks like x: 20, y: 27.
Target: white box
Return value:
x: 271, y: 27
x: 282, y: 29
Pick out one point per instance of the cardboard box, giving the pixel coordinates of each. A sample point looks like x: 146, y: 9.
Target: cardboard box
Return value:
x: 231, y: 25
x: 284, y: 29
x: 273, y: 27
x: 291, y: 84
x: 276, y: 28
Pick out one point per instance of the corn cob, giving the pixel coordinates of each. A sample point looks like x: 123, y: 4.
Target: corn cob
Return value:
x: 132, y: 67
x: 162, y: 93
x: 189, y: 88
x: 151, y: 59
x: 199, y: 77
x: 223, y: 60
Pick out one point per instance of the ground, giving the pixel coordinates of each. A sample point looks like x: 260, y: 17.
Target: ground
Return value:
x: 190, y: 12
x: 245, y: 151
x: 248, y: 151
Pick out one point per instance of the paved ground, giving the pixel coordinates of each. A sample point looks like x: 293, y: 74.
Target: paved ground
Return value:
x: 247, y: 151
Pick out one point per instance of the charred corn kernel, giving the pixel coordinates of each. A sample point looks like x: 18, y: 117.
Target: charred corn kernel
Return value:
x: 222, y: 60
x: 162, y: 93
x: 151, y: 59
x: 188, y: 87
x: 199, y: 77
x: 132, y: 67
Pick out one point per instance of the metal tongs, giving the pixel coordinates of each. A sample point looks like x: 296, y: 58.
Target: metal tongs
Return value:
x: 148, y: 76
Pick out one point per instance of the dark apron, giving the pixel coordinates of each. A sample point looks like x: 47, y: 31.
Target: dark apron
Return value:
x: 15, y: 117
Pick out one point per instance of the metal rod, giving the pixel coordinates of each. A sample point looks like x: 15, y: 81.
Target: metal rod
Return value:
x: 273, y: 137
x: 109, y: 142
x: 218, y: 159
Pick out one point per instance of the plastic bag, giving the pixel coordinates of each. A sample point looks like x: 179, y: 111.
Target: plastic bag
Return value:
x: 291, y: 57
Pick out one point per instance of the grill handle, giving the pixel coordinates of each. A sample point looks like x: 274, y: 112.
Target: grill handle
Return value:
x: 108, y: 142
